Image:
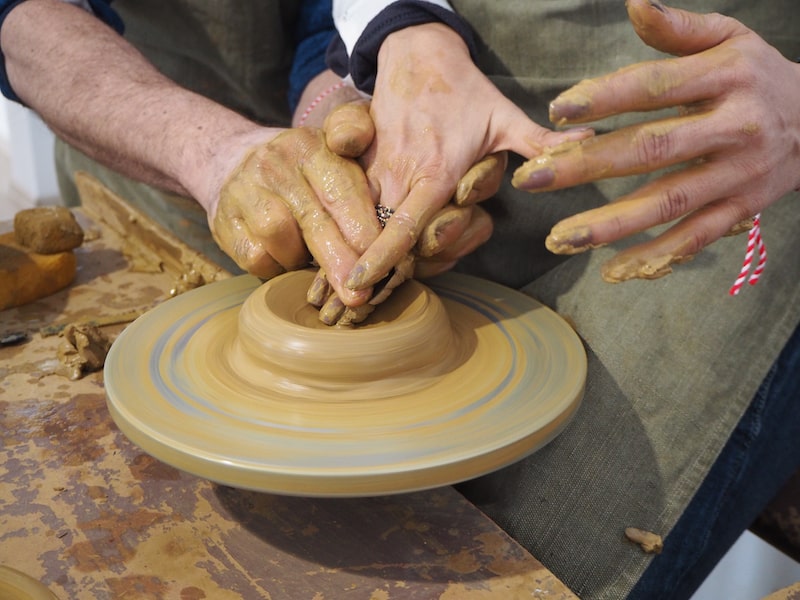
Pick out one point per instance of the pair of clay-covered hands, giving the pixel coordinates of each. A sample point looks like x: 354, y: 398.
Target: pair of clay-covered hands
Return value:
x: 432, y: 144
x: 302, y: 196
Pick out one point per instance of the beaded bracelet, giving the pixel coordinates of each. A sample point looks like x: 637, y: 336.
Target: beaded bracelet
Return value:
x: 317, y: 100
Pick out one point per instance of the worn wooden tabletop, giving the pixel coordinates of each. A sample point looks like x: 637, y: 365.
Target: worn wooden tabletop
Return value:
x: 91, y: 516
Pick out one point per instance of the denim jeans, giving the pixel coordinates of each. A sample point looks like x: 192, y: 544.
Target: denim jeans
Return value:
x: 760, y: 456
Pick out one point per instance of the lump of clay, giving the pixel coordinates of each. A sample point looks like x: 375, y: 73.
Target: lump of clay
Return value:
x: 83, y: 350
x: 47, y: 229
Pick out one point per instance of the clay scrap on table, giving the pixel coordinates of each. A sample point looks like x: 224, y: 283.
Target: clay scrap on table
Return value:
x: 83, y: 350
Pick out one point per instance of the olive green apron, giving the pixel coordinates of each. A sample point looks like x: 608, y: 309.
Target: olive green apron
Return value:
x: 673, y: 363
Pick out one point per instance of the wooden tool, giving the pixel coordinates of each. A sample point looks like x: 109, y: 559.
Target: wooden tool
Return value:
x: 26, y: 275
x: 36, y: 259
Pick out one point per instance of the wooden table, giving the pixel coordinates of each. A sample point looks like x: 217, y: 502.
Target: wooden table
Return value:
x: 91, y: 516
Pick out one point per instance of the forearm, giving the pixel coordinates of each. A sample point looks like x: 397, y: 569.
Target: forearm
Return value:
x: 100, y: 94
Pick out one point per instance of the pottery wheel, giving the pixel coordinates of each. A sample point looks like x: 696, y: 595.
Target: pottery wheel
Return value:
x: 15, y: 585
x: 239, y: 383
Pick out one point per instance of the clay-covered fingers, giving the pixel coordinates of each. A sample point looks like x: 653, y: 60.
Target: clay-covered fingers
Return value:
x: 419, y: 225
x: 677, y: 245
x: 293, y: 192
x: 482, y: 180
x: 450, y: 238
x: 664, y: 200
x: 460, y: 227
x: 720, y: 59
x: 257, y: 230
x: 335, y: 312
x: 680, y: 32
x: 708, y: 67
x: 640, y: 148
x: 349, y: 129
x: 332, y: 311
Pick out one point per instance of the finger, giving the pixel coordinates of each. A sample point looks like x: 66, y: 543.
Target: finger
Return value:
x: 482, y: 181
x: 635, y: 149
x: 663, y: 83
x: 511, y: 129
x: 478, y: 231
x: 321, y: 232
x: 353, y: 315
x: 661, y: 201
x: 349, y: 129
x: 456, y: 238
x: 319, y: 291
x: 260, y: 236
x: 399, y: 235
x: 403, y: 271
x: 268, y: 228
x: 332, y: 310
x: 443, y: 229
x: 677, y: 31
x: 648, y: 86
x: 678, y: 244
x: 645, y: 87
x: 248, y: 252
x: 342, y: 190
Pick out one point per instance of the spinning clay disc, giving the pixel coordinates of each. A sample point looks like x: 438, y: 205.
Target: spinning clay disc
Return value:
x: 238, y: 382
x: 15, y: 585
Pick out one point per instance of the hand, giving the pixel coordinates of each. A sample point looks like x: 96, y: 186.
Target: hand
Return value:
x: 456, y: 230
x: 435, y: 116
x: 291, y: 199
x: 737, y: 127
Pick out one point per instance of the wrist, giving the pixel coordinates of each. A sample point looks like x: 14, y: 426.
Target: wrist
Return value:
x: 360, y: 57
x: 423, y: 44
x: 210, y: 164
x: 323, y: 93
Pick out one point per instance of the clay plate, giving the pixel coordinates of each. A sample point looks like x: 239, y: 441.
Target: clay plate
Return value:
x: 239, y: 383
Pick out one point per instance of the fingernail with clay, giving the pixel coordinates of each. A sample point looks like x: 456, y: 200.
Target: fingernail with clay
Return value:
x: 565, y: 110
x: 535, y: 179
x: 333, y: 309
x: 318, y: 292
x: 625, y: 268
x: 356, y: 279
x: 658, y: 6
x: 570, y: 241
x: 577, y: 134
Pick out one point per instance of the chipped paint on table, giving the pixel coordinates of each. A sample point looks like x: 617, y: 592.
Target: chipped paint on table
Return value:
x: 91, y: 516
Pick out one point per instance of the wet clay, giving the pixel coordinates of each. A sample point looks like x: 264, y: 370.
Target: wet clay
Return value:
x: 407, y: 339
x: 47, y: 229
x: 82, y: 350
x: 239, y: 382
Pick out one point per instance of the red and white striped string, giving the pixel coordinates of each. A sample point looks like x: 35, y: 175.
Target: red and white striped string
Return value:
x: 309, y: 109
x: 754, y: 242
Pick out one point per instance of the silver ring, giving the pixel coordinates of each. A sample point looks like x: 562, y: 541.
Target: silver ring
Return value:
x: 384, y: 213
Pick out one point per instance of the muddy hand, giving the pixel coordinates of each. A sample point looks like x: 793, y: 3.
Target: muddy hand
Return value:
x: 435, y: 116
x: 292, y: 199
x: 456, y: 230
x: 737, y: 127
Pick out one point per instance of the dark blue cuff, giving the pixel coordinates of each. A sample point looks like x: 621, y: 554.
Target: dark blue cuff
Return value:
x: 362, y: 65
x: 101, y: 8
x: 313, y: 33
